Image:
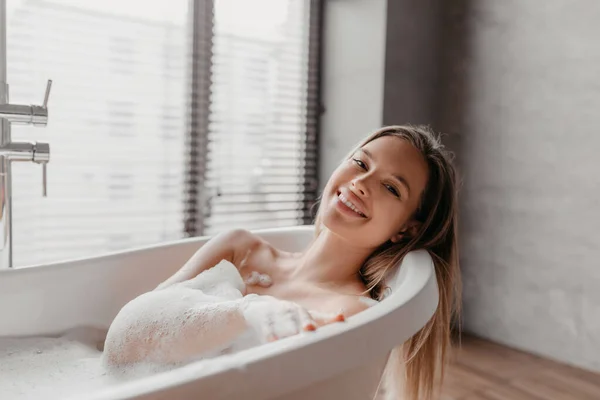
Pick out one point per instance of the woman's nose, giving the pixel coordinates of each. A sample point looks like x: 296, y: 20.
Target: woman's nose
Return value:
x: 360, y: 186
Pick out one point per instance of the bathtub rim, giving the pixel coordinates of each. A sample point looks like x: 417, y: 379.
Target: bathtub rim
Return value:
x: 257, y: 360
x: 106, y: 256
x: 264, y: 357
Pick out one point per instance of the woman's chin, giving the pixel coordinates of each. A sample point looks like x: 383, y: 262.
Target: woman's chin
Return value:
x: 358, y: 235
x: 341, y: 224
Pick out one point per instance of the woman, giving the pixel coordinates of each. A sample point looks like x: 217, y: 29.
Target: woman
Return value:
x: 396, y: 192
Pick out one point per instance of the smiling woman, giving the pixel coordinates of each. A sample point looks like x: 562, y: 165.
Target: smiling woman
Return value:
x: 394, y: 194
x: 403, y: 182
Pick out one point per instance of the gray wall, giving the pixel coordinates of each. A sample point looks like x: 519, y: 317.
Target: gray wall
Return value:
x: 516, y: 86
x: 531, y: 209
x: 353, y: 69
x: 412, y: 62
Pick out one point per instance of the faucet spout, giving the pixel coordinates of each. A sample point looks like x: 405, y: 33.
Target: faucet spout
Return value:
x: 23, y: 114
x: 26, y: 151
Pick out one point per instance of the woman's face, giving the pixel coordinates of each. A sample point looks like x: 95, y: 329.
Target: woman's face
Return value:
x: 371, y: 197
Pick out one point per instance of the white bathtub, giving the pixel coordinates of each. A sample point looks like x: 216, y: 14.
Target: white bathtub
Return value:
x: 339, y: 361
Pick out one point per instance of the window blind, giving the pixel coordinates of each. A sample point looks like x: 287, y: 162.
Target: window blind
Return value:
x: 117, y: 122
x: 167, y: 119
x: 255, y: 123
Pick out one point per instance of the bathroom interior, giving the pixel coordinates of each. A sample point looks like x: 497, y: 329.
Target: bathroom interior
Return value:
x: 255, y: 103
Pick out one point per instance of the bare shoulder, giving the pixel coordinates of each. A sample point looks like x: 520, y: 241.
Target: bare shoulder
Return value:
x: 232, y: 245
x: 238, y: 237
x: 241, y: 242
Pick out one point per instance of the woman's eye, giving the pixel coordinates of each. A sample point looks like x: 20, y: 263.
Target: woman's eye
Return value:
x: 392, y: 190
x: 360, y: 163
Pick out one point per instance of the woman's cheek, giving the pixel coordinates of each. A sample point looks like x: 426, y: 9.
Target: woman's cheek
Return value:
x: 390, y: 220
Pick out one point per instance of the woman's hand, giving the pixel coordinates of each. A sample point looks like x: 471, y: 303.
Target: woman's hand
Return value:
x: 274, y: 319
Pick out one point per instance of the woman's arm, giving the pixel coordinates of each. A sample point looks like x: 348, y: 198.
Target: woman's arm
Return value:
x: 232, y: 246
x: 171, y: 326
x: 177, y: 325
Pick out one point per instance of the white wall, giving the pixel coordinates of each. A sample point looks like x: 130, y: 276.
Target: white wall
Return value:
x: 353, y: 75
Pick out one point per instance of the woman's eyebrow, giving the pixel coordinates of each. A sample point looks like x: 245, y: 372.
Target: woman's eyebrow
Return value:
x: 367, y: 153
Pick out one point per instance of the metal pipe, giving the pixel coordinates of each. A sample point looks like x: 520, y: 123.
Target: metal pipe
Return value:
x: 5, y: 167
x: 2, y: 41
x: 20, y: 151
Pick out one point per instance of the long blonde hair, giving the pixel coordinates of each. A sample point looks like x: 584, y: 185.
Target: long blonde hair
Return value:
x: 421, y: 360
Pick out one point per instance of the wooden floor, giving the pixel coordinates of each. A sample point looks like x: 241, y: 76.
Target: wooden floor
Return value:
x: 481, y: 370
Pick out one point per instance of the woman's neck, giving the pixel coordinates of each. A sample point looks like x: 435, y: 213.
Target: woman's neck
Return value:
x: 332, y: 260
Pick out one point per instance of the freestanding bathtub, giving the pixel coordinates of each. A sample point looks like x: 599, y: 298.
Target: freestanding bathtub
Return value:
x: 339, y: 361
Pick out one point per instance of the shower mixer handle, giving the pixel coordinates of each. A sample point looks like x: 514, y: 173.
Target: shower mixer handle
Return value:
x: 44, y: 180
x: 41, y: 155
x: 37, y: 152
x: 47, y: 95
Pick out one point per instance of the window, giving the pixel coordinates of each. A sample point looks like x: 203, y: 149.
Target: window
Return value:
x: 120, y: 119
x: 259, y: 124
x: 120, y: 186
x: 171, y: 123
x: 107, y: 98
x: 169, y: 187
x: 118, y: 241
x: 122, y: 54
x: 167, y: 119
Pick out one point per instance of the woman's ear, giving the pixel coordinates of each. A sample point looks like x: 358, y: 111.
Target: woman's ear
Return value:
x: 397, y: 237
x: 410, y: 230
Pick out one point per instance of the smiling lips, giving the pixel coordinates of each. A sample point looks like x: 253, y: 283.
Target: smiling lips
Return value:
x: 350, y: 205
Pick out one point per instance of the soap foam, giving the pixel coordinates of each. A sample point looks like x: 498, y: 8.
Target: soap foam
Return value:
x: 55, y: 367
x: 191, y: 320
x: 73, y: 363
x: 172, y: 326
